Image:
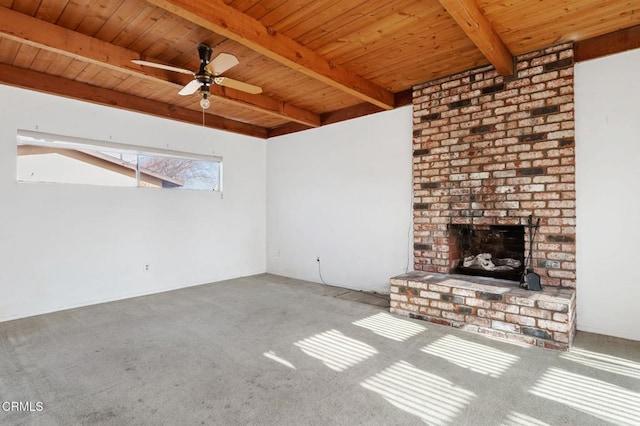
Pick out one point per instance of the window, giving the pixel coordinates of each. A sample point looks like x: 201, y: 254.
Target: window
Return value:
x: 62, y: 159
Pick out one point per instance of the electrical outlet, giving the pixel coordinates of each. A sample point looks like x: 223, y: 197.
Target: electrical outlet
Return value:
x: 146, y: 267
x: 318, y: 259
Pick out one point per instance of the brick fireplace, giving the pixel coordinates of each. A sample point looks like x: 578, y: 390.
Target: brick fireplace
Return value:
x: 488, y: 151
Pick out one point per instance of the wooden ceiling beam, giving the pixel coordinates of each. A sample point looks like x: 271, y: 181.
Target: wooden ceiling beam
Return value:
x: 46, y: 83
x: 477, y: 27
x: 286, y: 129
x: 229, y: 22
x: 43, y: 35
x: 608, y: 44
x: 360, y: 110
x: 267, y: 105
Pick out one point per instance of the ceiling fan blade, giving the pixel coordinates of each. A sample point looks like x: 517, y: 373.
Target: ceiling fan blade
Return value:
x: 190, y: 88
x: 161, y: 66
x: 238, y: 85
x: 221, y: 63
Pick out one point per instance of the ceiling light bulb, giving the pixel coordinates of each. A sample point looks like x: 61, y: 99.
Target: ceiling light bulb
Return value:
x: 205, y: 103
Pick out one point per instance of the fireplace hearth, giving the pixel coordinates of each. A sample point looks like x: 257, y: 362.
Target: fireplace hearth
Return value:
x: 488, y: 306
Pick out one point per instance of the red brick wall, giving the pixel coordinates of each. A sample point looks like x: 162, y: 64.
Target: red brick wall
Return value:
x: 490, y: 150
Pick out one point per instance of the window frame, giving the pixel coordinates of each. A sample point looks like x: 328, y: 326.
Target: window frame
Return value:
x: 73, y: 143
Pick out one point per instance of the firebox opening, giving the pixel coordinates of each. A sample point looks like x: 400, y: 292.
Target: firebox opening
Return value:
x: 487, y: 250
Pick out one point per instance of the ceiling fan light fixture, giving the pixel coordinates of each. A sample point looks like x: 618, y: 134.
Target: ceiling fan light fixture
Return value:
x: 205, y: 102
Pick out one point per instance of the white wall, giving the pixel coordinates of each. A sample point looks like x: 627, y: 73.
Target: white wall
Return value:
x: 342, y: 192
x: 608, y: 194
x: 70, y: 245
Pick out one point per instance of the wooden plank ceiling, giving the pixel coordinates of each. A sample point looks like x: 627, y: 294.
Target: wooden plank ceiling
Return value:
x: 317, y: 61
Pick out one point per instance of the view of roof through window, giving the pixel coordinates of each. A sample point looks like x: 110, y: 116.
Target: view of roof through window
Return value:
x: 59, y: 159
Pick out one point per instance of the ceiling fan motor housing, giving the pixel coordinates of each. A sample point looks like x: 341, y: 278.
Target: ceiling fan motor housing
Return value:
x: 203, y: 76
x: 204, y: 79
x: 205, y: 57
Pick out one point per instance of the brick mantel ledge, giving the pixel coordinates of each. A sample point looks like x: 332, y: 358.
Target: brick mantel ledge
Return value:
x: 487, y: 306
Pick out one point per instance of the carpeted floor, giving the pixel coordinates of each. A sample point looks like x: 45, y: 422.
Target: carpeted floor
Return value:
x: 268, y: 350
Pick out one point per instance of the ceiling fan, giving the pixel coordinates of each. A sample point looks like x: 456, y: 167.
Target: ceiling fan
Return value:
x: 209, y: 73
